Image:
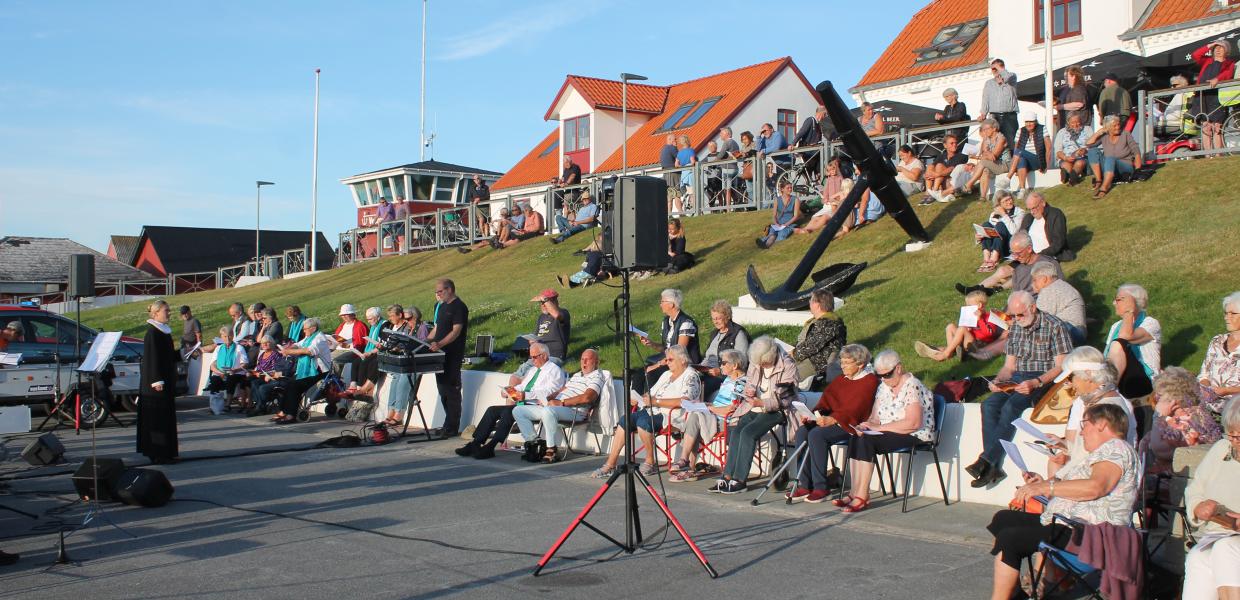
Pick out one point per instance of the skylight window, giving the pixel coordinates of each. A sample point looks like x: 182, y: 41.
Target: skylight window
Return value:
x: 550, y: 148
x: 699, y: 112
x: 951, y: 41
x: 680, y: 113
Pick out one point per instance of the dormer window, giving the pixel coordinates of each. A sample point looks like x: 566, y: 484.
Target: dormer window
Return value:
x: 1065, y: 16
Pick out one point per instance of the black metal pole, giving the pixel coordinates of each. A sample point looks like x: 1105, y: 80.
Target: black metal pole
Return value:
x: 630, y: 490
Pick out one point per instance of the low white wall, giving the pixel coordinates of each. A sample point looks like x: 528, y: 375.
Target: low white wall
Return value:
x: 960, y: 443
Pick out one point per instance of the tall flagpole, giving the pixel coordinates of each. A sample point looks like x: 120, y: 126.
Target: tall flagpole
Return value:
x: 314, y: 185
x: 422, y: 93
x: 1048, y: 34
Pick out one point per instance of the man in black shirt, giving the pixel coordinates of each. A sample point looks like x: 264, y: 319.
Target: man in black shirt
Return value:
x: 451, y: 320
x: 553, y: 325
x: 941, y: 173
x: 571, y: 175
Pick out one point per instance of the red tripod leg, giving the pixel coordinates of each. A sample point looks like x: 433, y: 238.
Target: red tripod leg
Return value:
x: 577, y: 521
x: 684, y: 535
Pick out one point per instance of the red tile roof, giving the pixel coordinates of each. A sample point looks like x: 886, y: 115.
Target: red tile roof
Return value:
x: 734, y: 88
x: 1166, y: 13
x: 899, y: 60
x: 607, y: 94
x: 533, y: 168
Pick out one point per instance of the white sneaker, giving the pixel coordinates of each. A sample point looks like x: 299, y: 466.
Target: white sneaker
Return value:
x: 947, y: 198
x: 937, y: 195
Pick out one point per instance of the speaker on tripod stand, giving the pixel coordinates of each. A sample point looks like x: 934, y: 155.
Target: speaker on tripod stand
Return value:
x: 81, y: 277
x: 635, y: 226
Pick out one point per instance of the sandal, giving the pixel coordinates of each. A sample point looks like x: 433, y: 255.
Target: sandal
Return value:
x: 687, y: 475
x: 842, y: 502
x: 603, y: 472
x: 1101, y: 193
x: 856, y: 508
x: 284, y: 420
x: 277, y: 417
x: 678, y: 465
x: 551, y: 457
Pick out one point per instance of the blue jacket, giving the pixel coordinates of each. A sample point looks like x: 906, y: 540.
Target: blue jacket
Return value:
x: 775, y: 143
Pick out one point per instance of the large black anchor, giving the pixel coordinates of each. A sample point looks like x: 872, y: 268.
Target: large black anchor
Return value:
x: 877, y: 174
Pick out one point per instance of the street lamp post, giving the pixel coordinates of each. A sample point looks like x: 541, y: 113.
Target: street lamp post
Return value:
x: 258, y: 208
x: 625, y: 78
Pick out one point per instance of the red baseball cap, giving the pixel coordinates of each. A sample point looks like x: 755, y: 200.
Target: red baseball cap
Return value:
x: 543, y: 296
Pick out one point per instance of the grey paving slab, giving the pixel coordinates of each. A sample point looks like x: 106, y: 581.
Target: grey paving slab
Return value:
x: 416, y: 521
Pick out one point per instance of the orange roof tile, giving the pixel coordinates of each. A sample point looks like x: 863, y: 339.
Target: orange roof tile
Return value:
x: 534, y: 168
x: 734, y: 88
x: 899, y: 60
x: 608, y: 93
x: 1166, y: 13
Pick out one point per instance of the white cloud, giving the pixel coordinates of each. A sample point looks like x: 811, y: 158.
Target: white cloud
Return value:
x: 529, y: 22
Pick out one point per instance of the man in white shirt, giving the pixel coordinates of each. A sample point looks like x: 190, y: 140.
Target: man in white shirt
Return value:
x: 569, y: 402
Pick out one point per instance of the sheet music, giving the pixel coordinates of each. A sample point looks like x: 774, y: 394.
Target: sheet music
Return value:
x: 1013, y: 454
x: 995, y: 319
x: 690, y: 406
x: 10, y: 359
x: 636, y: 397
x: 968, y: 316
x: 639, y: 332
x: 869, y: 432
x: 802, y: 411
x: 1029, y: 428
x: 100, y: 352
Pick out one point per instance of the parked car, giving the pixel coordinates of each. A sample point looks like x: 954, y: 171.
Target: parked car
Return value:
x: 47, y: 343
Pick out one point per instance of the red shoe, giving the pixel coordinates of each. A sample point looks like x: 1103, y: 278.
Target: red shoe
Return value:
x: 800, y: 494
x: 842, y: 502
x: 817, y: 496
x: 856, y: 508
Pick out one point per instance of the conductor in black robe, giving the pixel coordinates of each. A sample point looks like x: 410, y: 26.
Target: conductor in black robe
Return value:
x: 157, y: 414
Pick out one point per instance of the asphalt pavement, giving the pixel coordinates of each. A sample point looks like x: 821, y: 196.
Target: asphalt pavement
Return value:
x: 258, y: 512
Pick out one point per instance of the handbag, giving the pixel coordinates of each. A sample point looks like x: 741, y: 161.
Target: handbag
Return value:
x: 1054, y: 406
x: 359, y: 411
x: 747, y: 171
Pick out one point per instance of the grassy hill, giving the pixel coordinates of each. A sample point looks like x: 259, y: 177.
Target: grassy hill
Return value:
x: 1174, y: 235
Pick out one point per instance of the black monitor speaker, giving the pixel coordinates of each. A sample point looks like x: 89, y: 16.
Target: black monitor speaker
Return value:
x: 44, y: 450
x: 635, y: 229
x: 84, y: 478
x: 81, y: 276
x: 143, y: 487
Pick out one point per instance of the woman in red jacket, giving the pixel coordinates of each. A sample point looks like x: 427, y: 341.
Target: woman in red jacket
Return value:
x: 847, y: 401
x: 1215, y: 67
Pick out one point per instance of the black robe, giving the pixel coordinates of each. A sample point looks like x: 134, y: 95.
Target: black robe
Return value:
x: 157, y: 413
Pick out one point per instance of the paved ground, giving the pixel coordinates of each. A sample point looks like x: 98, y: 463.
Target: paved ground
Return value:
x: 416, y: 521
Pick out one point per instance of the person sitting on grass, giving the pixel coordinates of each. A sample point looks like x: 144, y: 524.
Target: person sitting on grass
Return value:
x: 699, y: 428
x: 787, y: 212
x: 961, y: 339
x: 902, y: 416
x: 1017, y: 275
x: 770, y: 390
x: 1005, y: 219
x: 678, y: 383
x: 228, y: 368
x: 1028, y: 154
x: 570, y: 403
x: 1134, y: 342
x: 570, y: 223
x: 1057, y: 297
x: 678, y: 258
x: 947, y: 169
x: 990, y: 154
x: 847, y: 401
x: 531, y: 227
x: 1112, y: 151
x: 830, y: 206
x: 909, y: 172
x: 1072, y: 149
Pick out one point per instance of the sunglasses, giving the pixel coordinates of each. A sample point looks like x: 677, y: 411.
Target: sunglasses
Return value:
x: 886, y: 375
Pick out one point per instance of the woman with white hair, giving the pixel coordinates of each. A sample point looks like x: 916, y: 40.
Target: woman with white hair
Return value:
x: 954, y: 112
x: 228, y: 368
x: 1092, y: 381
x: 1134, y: 343
x: 771, y: 388
x: 902, y: 416
x: 314, y: 359
x: 989, y: 157
x: 1112, y: 150
x: 1180, y: 418
x: 157, y: 411
x: 1220, y: 371
x: 847, y: 401
x: 700, y: 427
x: 1212, y: 567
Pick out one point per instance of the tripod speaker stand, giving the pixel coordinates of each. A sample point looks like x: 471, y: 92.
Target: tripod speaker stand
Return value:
x: 635, y: 196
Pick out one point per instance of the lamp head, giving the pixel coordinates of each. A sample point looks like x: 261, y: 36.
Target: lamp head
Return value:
x: 632, y: 77
x: 262, y: 183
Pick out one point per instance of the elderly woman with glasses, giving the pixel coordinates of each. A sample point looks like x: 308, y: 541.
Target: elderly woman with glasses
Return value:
x: 1180, y: 418
x: 902, y: 416
x: 271, y: 370
x: 313, y: 361
x: 1212, y: 570
x: 1220, y: 371
x: 1100, y: 488
x: 771, y: 388
x: 847, y: 401
x: 698, y: 428
x: 679, y: 383
x: 1134, y: 343
x: 678, y: 329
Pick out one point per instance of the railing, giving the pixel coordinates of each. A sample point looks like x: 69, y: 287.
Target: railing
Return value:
x: 1177, y: 137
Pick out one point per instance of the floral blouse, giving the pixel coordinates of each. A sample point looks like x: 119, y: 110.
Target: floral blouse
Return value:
x: 687, y: 386
x: 1220, y: 368
x: 889, y: 406
x: 1114, y: 508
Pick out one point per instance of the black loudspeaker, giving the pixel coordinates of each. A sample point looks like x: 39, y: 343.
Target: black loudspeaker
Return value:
x: 81, y: 276
x: 143, y: 487
x: 109, y: 470
x: 45, y: 450
x: 635, y: 229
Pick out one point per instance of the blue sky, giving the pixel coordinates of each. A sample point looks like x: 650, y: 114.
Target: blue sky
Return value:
x: 118, y: 114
